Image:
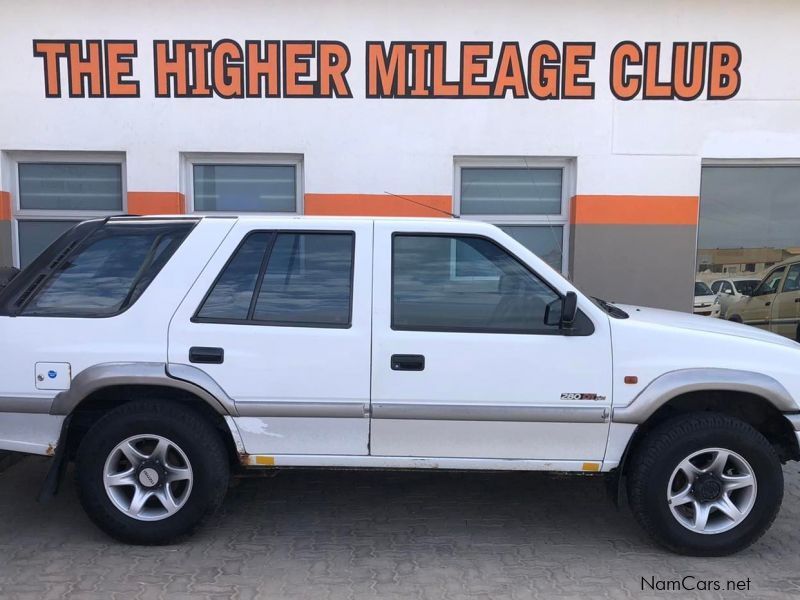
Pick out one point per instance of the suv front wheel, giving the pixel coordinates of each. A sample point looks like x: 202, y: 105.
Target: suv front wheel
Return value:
x: 150, y: 472
x: 705, y: 484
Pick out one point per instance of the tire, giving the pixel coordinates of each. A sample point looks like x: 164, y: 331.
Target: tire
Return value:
x: 659, y: 469
x: 735, y: 319
x: 178, y: 462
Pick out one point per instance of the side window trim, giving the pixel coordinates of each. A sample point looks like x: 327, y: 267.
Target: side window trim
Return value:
x: 583, y: 325
x: 250, y: 320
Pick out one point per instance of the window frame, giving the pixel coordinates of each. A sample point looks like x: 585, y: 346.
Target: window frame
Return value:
x: 62, y: 215
x: 189, y: 160
x: 583, y: 326
x: 562, y: 219
x: 195, y: 318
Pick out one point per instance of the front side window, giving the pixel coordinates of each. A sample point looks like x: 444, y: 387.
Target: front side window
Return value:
x: 770, y: 284
x: 245, y: 188
x: 465, y: 284
x: 108, y: 271
x: 285, y: 278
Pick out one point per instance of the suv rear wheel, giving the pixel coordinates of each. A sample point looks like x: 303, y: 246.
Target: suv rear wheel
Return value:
x: 150, y: 472
x: 705, y: 484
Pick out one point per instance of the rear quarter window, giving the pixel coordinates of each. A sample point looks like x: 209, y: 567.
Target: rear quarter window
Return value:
x: 107, y: 272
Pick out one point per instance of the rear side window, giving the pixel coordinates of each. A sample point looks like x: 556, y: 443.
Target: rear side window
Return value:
x: 300, y: 279
x: 107, y: 272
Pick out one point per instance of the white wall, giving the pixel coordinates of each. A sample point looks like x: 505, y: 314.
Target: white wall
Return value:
x: 363, y: 145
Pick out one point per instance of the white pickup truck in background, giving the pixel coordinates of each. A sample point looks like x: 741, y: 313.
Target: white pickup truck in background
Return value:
x: 164, y: 354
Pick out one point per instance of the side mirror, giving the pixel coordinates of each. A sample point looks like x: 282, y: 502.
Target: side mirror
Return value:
x: 569, y: 310
x: 6, y: 275
x: 561, y: 312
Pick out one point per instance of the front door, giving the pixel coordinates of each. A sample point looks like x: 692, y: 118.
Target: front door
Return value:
x: 280, y: 319
x: 463, y: 363
x: 758, y: 308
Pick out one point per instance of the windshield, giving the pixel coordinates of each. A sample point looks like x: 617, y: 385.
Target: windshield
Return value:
x: 746, y: 286
x: 702, y: 289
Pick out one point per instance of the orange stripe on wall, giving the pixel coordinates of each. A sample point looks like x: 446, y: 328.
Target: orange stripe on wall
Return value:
x: 5, y: 206
x: 378, y: 205
x: 156, y: 203
x: 634, y: 210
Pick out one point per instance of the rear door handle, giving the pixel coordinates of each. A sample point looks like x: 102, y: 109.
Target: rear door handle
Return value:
x: 206, y: 355
x: 408, y: 362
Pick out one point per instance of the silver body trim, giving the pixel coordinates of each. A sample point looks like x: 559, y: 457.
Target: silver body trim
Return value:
x: 104, y: 375
x: 203, y: 381
x: 666, y: 387
x: 489, y: 412
x: 30, y: 405
x: 330, y: 410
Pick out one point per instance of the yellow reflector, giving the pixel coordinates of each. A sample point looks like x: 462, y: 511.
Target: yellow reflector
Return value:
x: 593, y: 466
x: 267, y: 461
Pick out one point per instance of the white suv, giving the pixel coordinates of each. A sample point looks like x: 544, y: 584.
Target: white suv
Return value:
x: 163, y: 354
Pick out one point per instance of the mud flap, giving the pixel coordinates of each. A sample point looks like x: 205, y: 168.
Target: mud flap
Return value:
x: 52, y: 480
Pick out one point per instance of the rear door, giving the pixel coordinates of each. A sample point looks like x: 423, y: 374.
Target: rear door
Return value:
x: 280, y: 319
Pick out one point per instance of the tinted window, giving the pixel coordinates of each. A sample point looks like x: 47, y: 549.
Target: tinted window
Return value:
x: 303, y: 279
x: 108, y: 271
x: 749, y: 218
x: 715, y: 287
x: 463, y: 283
x: 232, y: 293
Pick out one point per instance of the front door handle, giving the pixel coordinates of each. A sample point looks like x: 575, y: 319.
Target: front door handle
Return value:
x: 206, y: 355
x: 767, y: 303
x: 408, y: 362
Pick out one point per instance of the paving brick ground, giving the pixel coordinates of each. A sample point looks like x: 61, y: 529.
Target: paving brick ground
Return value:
x: 330, y: 535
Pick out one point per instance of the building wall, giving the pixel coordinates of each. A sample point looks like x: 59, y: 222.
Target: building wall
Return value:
x: 636, y: 163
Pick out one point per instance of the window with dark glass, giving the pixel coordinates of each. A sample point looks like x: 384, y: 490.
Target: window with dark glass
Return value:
x: 749, y: 218
x: 463, y: 283
x: 286, y: 278
x: 108, y: 271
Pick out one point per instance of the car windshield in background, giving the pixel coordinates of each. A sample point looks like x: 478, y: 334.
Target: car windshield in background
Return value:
x: 702, y: 289
x: 746, y: 287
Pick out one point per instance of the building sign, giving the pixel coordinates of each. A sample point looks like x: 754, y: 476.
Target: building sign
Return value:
x: 544, y: 70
